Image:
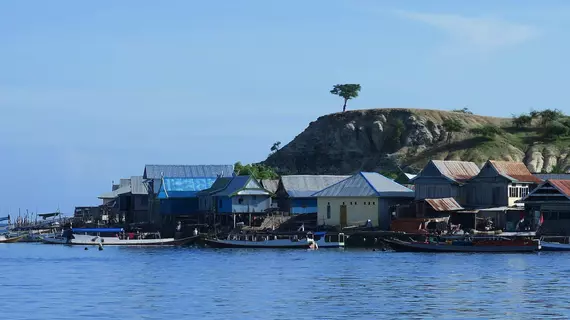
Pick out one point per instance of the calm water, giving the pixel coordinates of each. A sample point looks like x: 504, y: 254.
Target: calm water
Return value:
x: 57, y: 282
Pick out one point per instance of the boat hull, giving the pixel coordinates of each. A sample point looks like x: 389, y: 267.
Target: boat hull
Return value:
x: 553, y: 246
x: 85, y: 240
x: 3, y: 239
x: 270, y: 244
x: 403, y: 246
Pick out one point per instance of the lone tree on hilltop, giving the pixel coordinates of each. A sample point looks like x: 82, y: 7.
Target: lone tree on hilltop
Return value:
x: 346, y: 91
x: 275, y: 147
x: 451, y: 126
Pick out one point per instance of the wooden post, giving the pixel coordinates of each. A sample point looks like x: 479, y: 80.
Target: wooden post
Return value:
x: 234, y: 215
x: 250, y: 219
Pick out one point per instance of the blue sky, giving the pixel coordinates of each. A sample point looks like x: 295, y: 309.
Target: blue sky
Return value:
x: 91, y: 91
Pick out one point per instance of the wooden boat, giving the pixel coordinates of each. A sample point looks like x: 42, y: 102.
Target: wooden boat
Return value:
x: 93, y: 237
x: 10, y: 239
x: 296, y: 241
x: 468, y: 245
x: 555, y: 244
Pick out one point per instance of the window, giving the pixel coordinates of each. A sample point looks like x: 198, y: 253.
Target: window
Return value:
x: 220, y: 203
x: 355, y: 203
x: 240, y: 200
x: 350, y: 202
x: 373, y: 203
x: 329, y: 210
x: 343, y: 204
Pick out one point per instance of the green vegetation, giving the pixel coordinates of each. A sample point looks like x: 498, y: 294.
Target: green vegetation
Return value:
x: 522, y: 121
x: 275, y: 147
x: 346, y: 91
x: 489, y: 131
x: 257, y: 170
x: 395, y: 139
x: 464, y: 110
x: 452, y: 126
x: 389, y: 174
x: 550, y: 124
x: 555, y: 130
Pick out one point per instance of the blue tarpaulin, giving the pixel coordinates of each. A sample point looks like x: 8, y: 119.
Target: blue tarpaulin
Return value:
x: 98, y: 230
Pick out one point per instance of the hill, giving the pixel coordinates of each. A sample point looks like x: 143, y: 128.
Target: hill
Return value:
x: 382, y: 139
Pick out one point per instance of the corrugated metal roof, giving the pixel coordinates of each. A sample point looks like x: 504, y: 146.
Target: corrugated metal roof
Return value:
x: 152, y: 171
x: 555, y: 176
x: 444, y: 204
x: 366, y: 184
x: 270, y: 184
x: 459, y: 171
x: 562, y: 185
x: 516, y: 171
x: 183, y: 187
x: 240, y: 183
x: 137, y: 185
x: 304, y: 186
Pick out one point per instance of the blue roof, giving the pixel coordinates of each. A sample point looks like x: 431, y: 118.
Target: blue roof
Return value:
x: 240, y: 183
x: 101, y: 230
x: 183, y: 187
x: 366, y: 184
x: 152, y: 171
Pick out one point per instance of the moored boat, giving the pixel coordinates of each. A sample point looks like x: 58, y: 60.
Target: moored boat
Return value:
x: 275, y: 241
x: 10, y: 239
x: 94, y: 237
x: 467, y: 245
x: 555, y: 244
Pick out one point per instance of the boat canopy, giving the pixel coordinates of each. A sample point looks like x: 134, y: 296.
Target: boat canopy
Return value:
x: 49, y: 215
x: 99, y: 230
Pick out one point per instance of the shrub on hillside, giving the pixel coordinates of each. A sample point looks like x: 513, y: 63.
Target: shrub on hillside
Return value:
x: 489, y: 131
x: 555, y: 130
x: 522, y: 121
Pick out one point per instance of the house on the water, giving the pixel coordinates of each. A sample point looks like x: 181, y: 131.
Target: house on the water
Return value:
x: 444, y: 179
x: 195, y: 175
x: 359, y: 198
x: 549, y: 203
x: 500, y: 184
x: 294, y: 193
x: 243, y: 194
x: 127, y: 203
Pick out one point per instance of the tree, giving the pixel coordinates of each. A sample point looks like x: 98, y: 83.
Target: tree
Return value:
x: 555, y: 129
x: 549, y: 115
x: 524, y: 120
x: 489, y: 131
x: 464, y: 110
x: 451, y: 126
x: 275, y: 147
x: 346, y: 91
x: 256, y: 170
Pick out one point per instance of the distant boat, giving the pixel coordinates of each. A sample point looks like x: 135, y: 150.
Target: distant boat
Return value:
x: 555, y: 244
x: 10, y: 239
x: 93, y: 236
x: 476, y: 245
x: 278, y: 241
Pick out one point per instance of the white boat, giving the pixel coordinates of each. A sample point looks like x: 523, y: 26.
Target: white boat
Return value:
x: 296, y: 241
x: 555, y: 243
x: 93, y: 237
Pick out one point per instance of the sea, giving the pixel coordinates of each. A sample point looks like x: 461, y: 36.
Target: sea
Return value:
x: 40, y: 281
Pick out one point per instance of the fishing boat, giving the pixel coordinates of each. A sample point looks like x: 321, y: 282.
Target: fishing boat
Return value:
x: 555, y: 243
x: 492, y: 244
x: 112, y: 237
x: 291, y: 241
x: 6, y: 238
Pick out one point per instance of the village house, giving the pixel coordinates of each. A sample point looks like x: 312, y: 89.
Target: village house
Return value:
x: 549, y: 202
x: 127, y: 203
x: 153, y: 177
x: 243, y: 194
x: 444, y: 179
x: 500, y: 184
x: 362, y: 197
x: 207, y: 203
x: 179, y: 196
x: 294, y: 194
x: 421, y: 215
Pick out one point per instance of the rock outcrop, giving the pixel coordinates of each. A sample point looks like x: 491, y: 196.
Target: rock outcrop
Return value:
x: 382, y: 139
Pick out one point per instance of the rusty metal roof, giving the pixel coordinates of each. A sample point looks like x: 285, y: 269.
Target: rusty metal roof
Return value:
x: 516, y: 171
x: 444, y: 204
x: 562, y: 186
x: 459, y: 171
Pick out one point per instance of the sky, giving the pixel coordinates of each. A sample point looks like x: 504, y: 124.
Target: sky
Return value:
x: 91, y: 91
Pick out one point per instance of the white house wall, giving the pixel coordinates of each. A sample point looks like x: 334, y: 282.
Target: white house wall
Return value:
x: 358, y: 210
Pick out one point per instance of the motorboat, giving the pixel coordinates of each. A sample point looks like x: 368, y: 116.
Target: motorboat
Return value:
x: 487, y: 244
x: 555, y: 243
x: 7, y: 238
x: 112, y: 237
x: 289, y: 241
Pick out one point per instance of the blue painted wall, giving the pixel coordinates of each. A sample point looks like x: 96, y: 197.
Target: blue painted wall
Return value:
x: 303, y: 205
x: 223, y: 204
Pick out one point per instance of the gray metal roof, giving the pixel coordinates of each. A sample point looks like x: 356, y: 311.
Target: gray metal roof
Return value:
x: 241, y: 183
x: 133, y: 185
x: 554, y: 176
x: 152, y: 171
x: 303, y: 186
x: 270, y: 185
x: 137, y: 185
x: 366, y: 184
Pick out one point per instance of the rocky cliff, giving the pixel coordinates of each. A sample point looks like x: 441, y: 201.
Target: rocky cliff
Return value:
x: 382, y: 139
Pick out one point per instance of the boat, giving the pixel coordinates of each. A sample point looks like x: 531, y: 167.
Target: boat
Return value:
x: 555, y: 243
x: 496, y: 244
x: 10, y: 238
x: 93, y: 236
x: 275, y: 241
